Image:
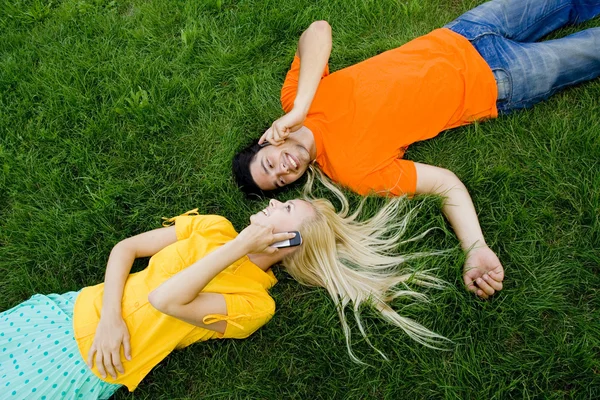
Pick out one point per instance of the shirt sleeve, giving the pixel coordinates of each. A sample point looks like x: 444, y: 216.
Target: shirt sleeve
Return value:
x: 398, y: 178
x: 186, y: 224
x: 290, y: 85
x: 246, y: 312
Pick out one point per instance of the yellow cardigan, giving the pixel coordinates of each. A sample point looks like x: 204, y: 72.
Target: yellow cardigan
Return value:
x: 153, y: 334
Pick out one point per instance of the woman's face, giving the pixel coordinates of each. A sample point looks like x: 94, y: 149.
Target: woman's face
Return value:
x: 285, y: 217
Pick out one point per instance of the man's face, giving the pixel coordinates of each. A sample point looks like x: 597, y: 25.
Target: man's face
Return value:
x: 276, y: 166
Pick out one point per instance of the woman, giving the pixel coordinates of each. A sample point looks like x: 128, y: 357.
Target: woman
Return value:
x: 204, y: 281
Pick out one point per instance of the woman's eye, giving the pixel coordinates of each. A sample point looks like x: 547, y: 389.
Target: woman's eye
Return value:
x: 288, y: 208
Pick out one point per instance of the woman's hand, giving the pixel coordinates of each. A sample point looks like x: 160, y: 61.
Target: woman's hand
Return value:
x: 111, y: 334
x: 257, y: 238
x: 483, y: 273
x: 281, y: 128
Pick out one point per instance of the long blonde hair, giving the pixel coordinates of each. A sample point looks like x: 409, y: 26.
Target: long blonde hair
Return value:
x: 355, y: 261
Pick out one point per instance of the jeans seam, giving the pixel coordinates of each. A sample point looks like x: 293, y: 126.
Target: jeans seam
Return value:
x: 491, y: 32
x: 509, y: 96
x: 546, y: 94
x: 476, y: 38
x: 539, y: 19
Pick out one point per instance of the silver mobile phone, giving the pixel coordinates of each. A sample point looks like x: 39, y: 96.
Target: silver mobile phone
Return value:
x: 295, y: 241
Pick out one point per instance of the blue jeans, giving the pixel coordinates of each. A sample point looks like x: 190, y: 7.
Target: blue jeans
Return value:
x: 504, y: 32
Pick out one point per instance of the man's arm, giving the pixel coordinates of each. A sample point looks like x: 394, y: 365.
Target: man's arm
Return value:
x: 314, y: 48
x: 483, y: 273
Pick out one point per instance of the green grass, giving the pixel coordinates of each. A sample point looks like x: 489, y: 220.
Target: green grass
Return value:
x: 115, y: 113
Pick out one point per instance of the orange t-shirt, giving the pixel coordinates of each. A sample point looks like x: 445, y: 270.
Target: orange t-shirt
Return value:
x: 365, y: 116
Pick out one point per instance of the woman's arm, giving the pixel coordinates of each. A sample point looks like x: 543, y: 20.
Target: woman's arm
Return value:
x: 314, y: 48
x: 482, y: 267
x: 112, y: 332
x: 181, y: 297
x: 121, y: 260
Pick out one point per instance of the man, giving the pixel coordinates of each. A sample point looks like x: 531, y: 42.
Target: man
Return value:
x: 356, y: 123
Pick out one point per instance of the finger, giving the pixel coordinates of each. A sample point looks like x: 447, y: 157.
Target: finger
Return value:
x: 127, y: 348
x: 100, y: 365
x: 264, y: 136
x: 267, y: 230
x: 482, y: 294
x: 277, y: 134
x: 484, y: 286
x: 270, y: 250
x: 497, y: 275
x: 274, y: 136
x: 106, y: 358
x: 278, y: 237
x: 116, y: 361
x: 270, y: 133
x: 262, y: 139
x: 469, y: 277
x: 90, y: 357
x: 470, y: 284
x: 492, y: 282
x: 275, y: 142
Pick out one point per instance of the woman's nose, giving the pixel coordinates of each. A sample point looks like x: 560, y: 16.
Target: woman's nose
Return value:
x: 274, y: 202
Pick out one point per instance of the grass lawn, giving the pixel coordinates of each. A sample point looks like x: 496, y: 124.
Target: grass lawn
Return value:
x: 116, y: 113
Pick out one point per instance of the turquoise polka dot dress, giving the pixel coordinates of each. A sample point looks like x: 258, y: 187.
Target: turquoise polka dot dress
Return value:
x: 39, y: 357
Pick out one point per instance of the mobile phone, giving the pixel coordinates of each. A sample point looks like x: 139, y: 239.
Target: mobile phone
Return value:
x: 295, y: 241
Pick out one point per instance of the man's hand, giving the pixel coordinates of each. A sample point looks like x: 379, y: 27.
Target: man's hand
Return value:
x: 281, y: 129
x: 111, y: 333
x: 483, y: 273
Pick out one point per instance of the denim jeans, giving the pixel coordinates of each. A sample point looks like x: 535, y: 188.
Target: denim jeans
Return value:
x: 504, y: 33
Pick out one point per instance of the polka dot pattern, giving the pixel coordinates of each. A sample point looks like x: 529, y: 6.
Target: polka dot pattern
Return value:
x: 39, y: 357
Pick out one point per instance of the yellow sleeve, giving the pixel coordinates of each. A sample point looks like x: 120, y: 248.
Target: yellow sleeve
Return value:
x: 191, y: 221
x: 246, y: 312
x: 397, y: 179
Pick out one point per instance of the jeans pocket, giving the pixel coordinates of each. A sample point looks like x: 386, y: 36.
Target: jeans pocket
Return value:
x: 504, y: 84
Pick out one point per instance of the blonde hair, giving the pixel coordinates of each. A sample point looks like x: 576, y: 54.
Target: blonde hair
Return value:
x: 355, y: 261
